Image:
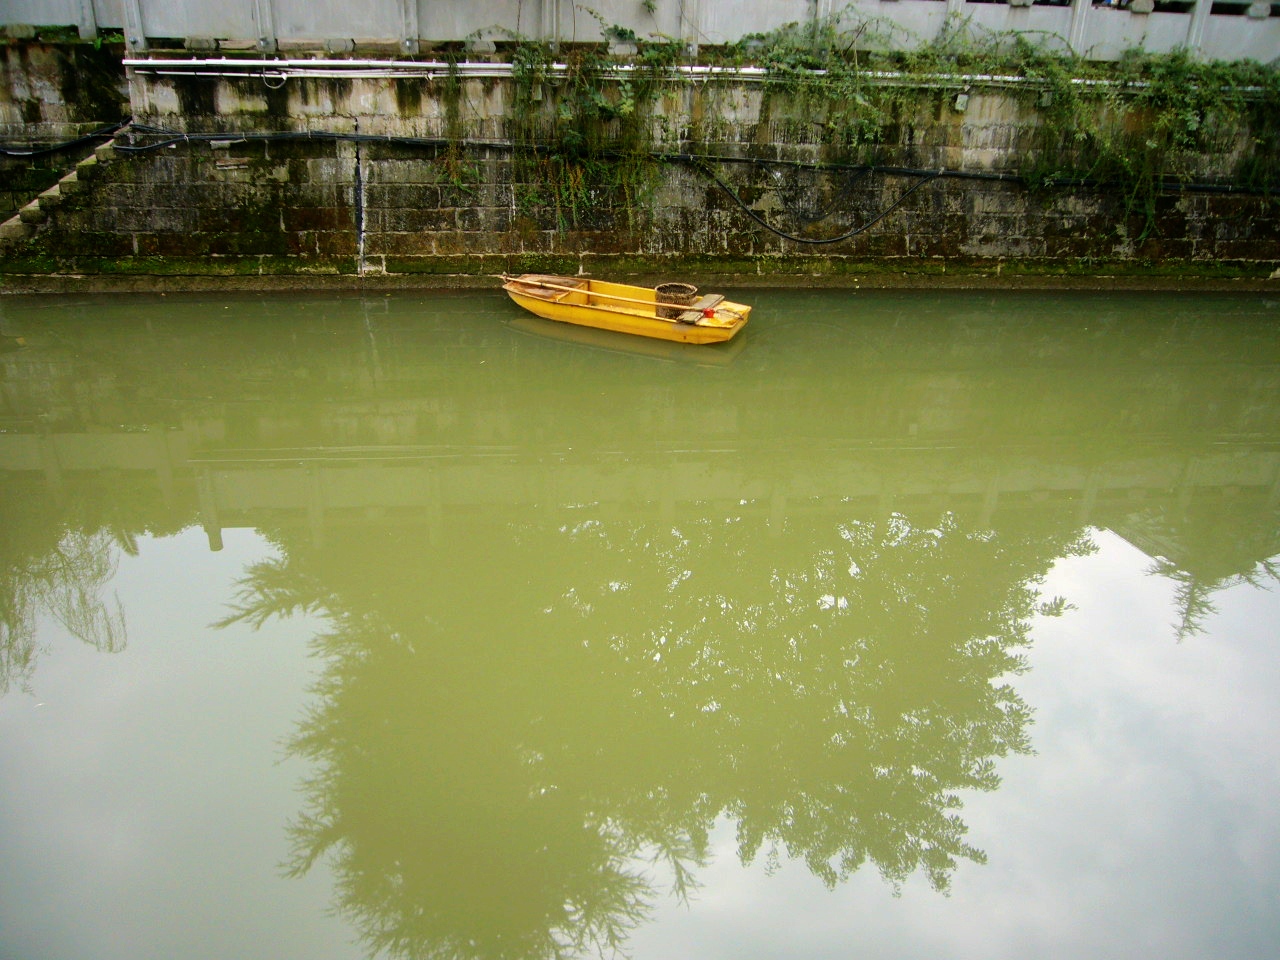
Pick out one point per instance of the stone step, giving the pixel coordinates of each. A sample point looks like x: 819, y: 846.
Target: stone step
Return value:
x: 16, y: 229
x: 24, y: 223
x: 33, y: 213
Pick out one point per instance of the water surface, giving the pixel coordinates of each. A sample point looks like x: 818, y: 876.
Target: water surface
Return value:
x: 903, y: 625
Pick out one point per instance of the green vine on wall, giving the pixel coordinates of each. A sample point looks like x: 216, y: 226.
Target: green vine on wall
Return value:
x: 582, y: 136
x: 458, y: 171
x: 1141, y: 126
x: 862, y: 90
x: 1153, y: 123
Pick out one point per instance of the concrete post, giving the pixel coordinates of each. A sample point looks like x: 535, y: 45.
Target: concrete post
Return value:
x: 409, y: 28
x: 550, y: 22
x: 86, y: 20
x: 1079, y: 16
x: 1198, y: 20
x: 691, y: 25
x: 264, y: 23
x: 135, y: 31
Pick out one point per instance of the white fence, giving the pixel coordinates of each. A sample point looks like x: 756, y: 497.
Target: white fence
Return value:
x: 1214, y: 29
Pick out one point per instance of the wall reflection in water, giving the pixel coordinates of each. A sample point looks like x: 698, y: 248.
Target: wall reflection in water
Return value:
x: 585, y: 598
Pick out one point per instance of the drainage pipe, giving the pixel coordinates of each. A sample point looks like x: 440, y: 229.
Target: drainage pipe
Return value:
x: 431, y: 69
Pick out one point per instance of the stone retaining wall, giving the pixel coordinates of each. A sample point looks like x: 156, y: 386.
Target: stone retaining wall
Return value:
x: 730, y: 162
x: 51, y: 93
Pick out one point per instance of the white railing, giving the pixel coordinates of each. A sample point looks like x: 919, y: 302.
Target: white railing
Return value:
x: 1213, y: 29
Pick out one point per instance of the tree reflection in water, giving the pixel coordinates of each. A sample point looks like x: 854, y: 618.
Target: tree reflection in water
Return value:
x: 512, y: 728
x: 502, y: 758
x: 55, y: 566
x: 1231, y: 543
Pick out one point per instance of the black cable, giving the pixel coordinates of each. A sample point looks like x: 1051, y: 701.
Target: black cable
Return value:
x: 926, y: 178
x: 173, y: 138
x: 700, y: 162
x: 107, y: 131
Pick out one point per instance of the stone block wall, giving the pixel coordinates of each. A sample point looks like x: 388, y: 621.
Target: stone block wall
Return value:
x: 24, y: 178
x: 401, y: 177
x: 52, y: 94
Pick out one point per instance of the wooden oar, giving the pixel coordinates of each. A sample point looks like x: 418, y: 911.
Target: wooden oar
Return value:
x: 592, y: 293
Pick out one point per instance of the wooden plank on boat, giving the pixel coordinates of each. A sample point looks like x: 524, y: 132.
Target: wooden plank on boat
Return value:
x: 694, y: 313
x: 548, y: 288
x: 590, y: 294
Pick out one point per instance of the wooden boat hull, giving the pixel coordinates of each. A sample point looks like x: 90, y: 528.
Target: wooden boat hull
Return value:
x: 622, y: 308
x: 618, y: 344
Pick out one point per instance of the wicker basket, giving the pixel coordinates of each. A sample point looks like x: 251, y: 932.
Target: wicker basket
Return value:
x: 682, y: 295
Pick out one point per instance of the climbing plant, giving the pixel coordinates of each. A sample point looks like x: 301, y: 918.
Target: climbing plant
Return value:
x: 584, y: 132
x: 1149, y: 123
x: 1139, y: 126
x: 581, y: 133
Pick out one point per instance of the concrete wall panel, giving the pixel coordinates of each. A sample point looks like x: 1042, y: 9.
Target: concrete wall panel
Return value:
x: 1098, y: 31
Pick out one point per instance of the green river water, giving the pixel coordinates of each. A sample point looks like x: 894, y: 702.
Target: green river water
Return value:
x: 905, y: 625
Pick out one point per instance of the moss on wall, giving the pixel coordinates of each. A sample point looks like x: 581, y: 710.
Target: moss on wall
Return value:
x: 806, y: 174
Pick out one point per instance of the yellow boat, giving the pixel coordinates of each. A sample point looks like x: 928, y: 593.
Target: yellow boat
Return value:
x: 645, y: 311
x: 606, y: 341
